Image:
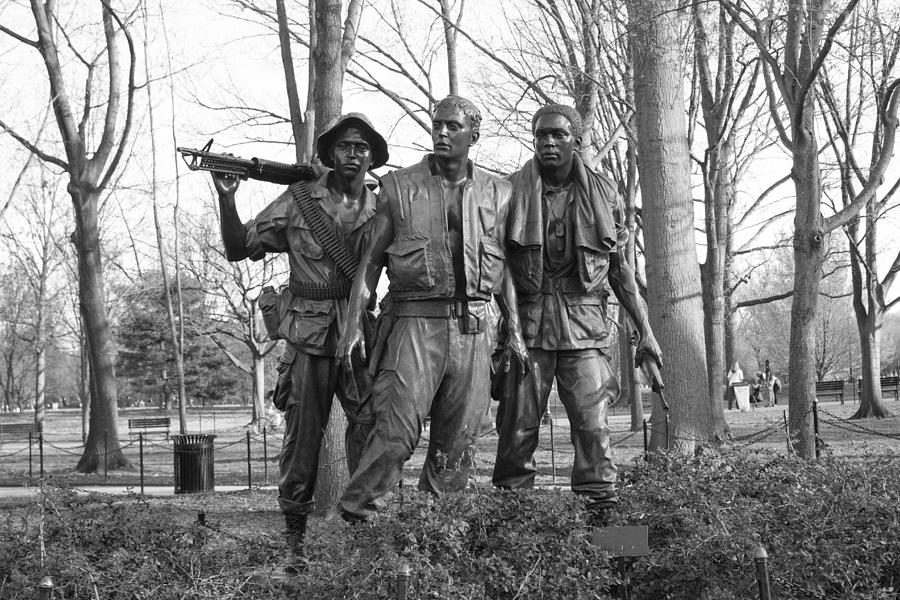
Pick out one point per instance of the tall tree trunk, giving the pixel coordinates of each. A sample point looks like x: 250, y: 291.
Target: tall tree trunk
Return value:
x: 259, y: 390
x: 177, y: 348
x: 450, y: 42
x: 290, y: 80
x: 84, y: 383
x: 40, y: 379
x: 673, y: 287
x: 332, y: 477
x: 809, y: 254
x: 103, y: 435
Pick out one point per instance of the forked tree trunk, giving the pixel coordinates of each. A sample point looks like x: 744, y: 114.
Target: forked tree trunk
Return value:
x: 103, y: 435
x: 673, y: 282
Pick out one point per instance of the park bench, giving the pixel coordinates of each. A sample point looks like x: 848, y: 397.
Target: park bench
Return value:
x: 889, y: 385
x: 149, y: 425
x: 20, y: 430
x: 830, y: 388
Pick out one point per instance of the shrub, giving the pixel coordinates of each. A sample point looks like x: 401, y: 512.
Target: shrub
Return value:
x: 830, y: 528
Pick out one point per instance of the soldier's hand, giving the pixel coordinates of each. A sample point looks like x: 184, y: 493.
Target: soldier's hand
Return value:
x: 515, y: 356
x: 226, y: 184
x: 351, y: 337
x: 648, y: 358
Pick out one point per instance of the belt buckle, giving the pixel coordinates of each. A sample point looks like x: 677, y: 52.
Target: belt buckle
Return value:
x: 458, y: 309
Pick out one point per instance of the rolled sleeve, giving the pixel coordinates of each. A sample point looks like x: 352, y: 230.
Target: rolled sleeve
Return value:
x: 267, y: 232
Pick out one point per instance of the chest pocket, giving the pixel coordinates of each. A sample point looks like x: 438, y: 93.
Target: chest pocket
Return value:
x: 304, y: 241
x: 527, y: 268
x: 490, y: 266
x: 410, y: 264
x: 592, y: 268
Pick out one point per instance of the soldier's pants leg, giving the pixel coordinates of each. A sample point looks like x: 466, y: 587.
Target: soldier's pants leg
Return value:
x: 457, y: 412
x: 519, y: 422
x: 354, y: 390
x: 410, y: 372
x: 586, y: 385
x: 312, y: 380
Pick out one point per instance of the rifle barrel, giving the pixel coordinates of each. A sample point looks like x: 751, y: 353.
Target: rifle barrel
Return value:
x: 254, y: 168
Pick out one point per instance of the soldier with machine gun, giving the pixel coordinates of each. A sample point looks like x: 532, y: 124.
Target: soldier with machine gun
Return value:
x: 319, y: 224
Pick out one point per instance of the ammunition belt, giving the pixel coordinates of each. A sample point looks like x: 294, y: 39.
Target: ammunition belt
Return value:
x: 321, y: 291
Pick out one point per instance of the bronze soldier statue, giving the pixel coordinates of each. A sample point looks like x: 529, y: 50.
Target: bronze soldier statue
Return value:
x: 565, y: 237
x: 321, y: 226
x: 440, y: 230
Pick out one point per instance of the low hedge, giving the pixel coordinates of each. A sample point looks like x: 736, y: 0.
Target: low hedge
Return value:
x: 830, y: 528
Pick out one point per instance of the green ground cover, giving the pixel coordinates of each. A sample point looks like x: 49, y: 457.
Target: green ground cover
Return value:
x: 830, y: 527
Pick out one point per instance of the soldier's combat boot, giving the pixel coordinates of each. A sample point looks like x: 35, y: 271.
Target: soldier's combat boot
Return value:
x: 294, y: 533
x: 599, y: 510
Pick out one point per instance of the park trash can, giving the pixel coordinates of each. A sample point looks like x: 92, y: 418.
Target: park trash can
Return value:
x: 194, y: 463
x: 742, y: 396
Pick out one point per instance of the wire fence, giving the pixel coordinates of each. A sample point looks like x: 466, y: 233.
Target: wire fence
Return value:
x: 251, y: 457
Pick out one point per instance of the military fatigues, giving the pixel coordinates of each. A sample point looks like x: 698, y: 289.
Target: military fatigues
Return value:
x: 560, y: 240
x: 436, y: 358
x: 310, y: 373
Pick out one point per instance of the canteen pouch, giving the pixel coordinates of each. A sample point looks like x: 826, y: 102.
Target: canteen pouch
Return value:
x: 270, y: 305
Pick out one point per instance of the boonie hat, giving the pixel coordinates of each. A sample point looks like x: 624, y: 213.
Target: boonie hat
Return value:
x: 379, y: 146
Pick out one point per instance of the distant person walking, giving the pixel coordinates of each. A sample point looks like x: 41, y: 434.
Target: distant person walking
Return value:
x: 768, y: 385
x: 734, y: 377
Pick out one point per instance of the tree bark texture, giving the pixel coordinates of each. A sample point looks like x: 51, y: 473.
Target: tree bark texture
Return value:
x: 673, y: 282
x: 809, y: 254
x: 103, y: 434
x: 332, y: 476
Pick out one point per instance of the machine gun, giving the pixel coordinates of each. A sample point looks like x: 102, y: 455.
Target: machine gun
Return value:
x: 253, y: 168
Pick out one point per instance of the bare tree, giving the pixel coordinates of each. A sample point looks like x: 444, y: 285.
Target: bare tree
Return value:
x: 234, y: 289
x: 851, y: 92
x: 90, y: 168
x: 792, y: 72
x: 36, y: 251
x: 176, y: 339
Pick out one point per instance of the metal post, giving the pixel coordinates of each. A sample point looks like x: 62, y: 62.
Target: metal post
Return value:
x: 552, y: 452
x: 214, y: 421
x: 646, y: 442
x: 105, y: 454
x: 41, y: 451
x: 402, y: 581
x: 249, y: 472
x: 265, y: 458
x: 45, y: 588
x: 667, y: 431
x: 200, y: 422
x: 30, y: 473
x: 623, y: 587
x: 141, y: 449
x: 815, y: 410
x: 762, y: 573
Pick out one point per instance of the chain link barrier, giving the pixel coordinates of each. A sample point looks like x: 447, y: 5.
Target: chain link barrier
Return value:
x: 804, y: 592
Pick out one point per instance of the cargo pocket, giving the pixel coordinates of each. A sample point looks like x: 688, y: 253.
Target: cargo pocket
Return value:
x: 282, y: 395
x: 409, y: 264
x: 593, y: 266
x: 306, y: 322
x: 491, y: 266
x: 530, y: 312
x: 586, y: 319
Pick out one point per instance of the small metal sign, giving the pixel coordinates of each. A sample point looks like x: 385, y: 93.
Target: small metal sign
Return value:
x: 623, y: 541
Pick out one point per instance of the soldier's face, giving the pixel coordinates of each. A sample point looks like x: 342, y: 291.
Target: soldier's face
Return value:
x: 452, y: 133
x: 351, y: 153
x: 554, y: 142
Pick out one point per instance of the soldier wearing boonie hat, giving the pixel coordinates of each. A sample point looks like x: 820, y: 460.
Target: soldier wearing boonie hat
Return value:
x: 311, y: 310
